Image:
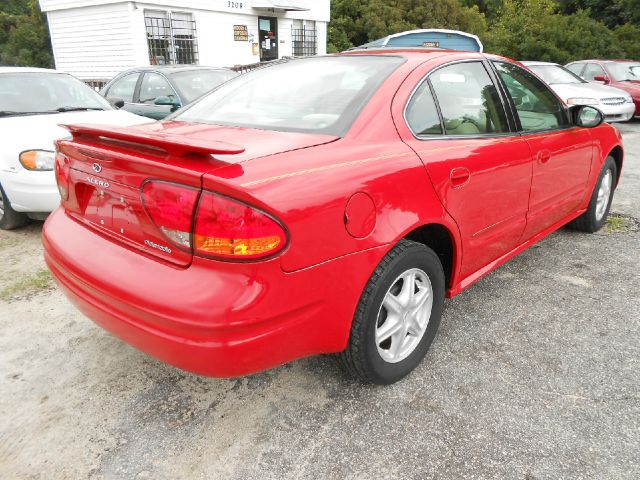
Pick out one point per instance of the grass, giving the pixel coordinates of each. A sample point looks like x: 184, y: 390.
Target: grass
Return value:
x: 35, y: 283
x: 619, y: 224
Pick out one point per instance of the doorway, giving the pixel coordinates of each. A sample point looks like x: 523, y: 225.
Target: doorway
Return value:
x: 268, y: 33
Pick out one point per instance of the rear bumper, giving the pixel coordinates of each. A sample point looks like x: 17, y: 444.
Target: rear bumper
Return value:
x: 212, y: 318
x: 31, y: 191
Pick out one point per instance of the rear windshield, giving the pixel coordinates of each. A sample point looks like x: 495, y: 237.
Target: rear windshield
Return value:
x: 195, y: 83
x: 313, y: 95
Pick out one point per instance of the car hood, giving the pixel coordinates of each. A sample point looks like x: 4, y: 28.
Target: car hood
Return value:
x: 32, y: 132
x: 587, y: 90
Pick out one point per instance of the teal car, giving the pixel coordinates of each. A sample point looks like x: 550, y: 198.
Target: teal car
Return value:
x: 158, y: 91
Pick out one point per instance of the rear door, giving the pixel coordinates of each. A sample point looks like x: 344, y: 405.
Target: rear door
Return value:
x: 479, y: 165
x: 561, y: 153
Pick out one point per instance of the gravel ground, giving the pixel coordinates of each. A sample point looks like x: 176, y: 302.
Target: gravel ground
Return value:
x: 535, y: 374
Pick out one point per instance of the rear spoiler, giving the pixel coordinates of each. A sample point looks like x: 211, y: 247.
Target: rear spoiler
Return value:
x: 149, y: 135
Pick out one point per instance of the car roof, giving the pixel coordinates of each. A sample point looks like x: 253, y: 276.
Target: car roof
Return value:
x: 173, y: 68
x: 529, y: 63
x: 4, y: 69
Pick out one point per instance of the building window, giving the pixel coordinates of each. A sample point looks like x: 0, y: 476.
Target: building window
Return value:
x: 171, y: 37
x: 304, y: 38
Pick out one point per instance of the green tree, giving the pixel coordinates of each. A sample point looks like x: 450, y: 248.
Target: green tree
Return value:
x: 24, y: 35
x: 534, y: 30
x: 354, y: 22
x: 628, y: 39
x: 610, y: 12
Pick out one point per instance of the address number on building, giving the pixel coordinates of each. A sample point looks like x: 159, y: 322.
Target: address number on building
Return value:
x: 234, y: 4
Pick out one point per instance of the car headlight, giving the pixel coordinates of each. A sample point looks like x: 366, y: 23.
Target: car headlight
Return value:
x: 582, y: 101
x: 38, y: 159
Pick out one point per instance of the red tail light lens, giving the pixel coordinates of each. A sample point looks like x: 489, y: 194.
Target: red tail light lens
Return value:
x: 62, y: 175
x: 171, y: 208
x: 229, y: 229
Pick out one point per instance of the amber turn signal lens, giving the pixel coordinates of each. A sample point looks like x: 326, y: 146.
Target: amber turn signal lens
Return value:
x: 38, y: 160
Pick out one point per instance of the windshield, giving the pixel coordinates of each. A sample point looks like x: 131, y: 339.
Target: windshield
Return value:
x: 622, y: 71
x: 555, y: 74
x: 195, y: 83
x: 315, y: 95
x: 31, y: 93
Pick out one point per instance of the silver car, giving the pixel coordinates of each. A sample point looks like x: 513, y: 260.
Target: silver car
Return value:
x: 616, y: 105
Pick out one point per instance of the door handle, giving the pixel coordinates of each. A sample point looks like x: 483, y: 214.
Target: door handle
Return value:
x: 544, y: 156
x: 460, y: 176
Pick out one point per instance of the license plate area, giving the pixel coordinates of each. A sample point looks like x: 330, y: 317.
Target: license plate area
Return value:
x: 117, y: 210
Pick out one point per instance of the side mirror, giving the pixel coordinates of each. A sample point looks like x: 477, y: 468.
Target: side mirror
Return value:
x: 117, y: 102
x: 174, y: 103
x: 601, y: 78
x: 586, y: 116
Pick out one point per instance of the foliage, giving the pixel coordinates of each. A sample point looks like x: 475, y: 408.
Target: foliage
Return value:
x: 24, y: 34
x: 551, y: 30
x: 355, y: 22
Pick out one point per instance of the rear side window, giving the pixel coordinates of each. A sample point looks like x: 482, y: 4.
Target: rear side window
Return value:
x: 468, y: 100
x: 123, y: 88
x: 422, y: 114
x: 537, y: 107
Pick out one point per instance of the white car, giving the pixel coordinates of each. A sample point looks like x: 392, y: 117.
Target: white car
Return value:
x: 616, y: 105
x: 33, y: 102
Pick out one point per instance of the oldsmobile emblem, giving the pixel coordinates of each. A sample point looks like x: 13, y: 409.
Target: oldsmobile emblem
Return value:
x: 97, y: 167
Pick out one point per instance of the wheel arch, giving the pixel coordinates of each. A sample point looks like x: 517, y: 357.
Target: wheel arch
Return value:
x: 441, y: 240
x: 618, y: 154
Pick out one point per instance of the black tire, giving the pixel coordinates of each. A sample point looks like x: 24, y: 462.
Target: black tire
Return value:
x: 589, y: 221
x: 9, y: 218
x: 361, y: 358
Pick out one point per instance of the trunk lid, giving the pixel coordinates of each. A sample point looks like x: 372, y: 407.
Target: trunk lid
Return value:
x: 108, y: 167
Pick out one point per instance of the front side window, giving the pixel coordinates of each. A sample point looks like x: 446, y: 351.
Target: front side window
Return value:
x: 123, y: 88
x: 468, y: 100
x: 314, y: 95
x: 592, y: 71
x: 537, y: 107
x: 153, y: 86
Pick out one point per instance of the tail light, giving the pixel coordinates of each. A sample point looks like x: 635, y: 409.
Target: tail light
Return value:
x: 223, y: 228
x: 62, y: 175
x: 229, y: 229
x: 171, y: 208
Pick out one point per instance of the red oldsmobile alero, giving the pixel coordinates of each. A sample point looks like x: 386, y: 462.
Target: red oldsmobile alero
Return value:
x: 321, y: 205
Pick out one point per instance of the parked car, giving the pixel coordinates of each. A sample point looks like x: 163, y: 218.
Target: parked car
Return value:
x: 322, y: 205
x: 33, y: 104
x: 158, y: 91
x: 617, y: 105
x: 622, y: 74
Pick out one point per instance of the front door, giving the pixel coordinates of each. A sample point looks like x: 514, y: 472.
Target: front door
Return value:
x: 561, y: 154
x: 268, y: 32
x: 480, y: 167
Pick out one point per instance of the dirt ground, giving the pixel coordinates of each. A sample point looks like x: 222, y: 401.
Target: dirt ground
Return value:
x: 535, y: 374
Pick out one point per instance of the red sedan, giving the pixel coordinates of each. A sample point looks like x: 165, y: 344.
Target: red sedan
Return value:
x: 322, y: 205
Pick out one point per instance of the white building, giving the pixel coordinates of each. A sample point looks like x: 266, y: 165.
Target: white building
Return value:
x: 96, y: 39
